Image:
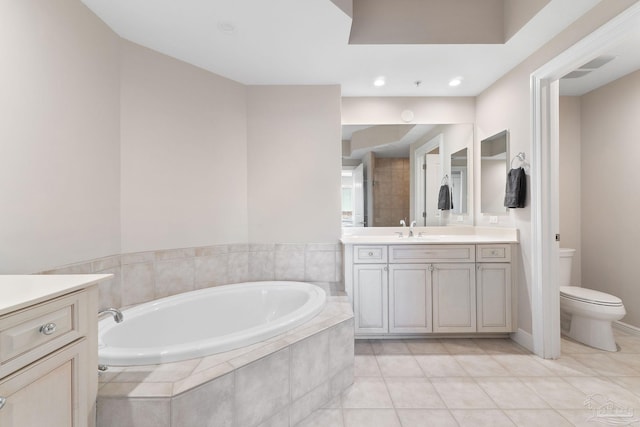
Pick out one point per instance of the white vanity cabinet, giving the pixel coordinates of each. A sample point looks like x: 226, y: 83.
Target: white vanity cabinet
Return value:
x: 48, y: 351
x: 417, y: 289
x: 494, y: 288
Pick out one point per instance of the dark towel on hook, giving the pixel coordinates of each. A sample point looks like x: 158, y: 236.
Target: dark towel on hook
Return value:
x: 444, y: 198
x: 516, y: 189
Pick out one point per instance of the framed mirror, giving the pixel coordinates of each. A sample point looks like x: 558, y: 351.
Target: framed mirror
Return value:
x: 403, y: 166
x: 458, y: 181
x: 494, y: 164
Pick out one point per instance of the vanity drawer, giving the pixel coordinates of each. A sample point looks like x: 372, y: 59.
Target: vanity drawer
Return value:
x: 29, y: 334
x: 493, y: 253
x: 431, y: 253
x: 369, y: 254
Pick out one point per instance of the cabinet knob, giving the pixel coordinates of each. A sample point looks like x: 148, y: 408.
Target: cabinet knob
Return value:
x: 3, y: 401
x: 48, y: 329
x: 386, y: 268
x: 370, y: 253
x: 431, y: 268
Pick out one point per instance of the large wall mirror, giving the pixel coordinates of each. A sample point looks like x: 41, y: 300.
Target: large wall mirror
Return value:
x: 494, y: 155
x: 393, y: 173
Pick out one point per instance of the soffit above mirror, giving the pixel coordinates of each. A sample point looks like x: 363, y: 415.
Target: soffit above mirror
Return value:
x: 439, y: 21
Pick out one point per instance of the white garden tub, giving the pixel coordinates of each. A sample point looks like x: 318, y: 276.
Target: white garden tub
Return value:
x: 208, y: 321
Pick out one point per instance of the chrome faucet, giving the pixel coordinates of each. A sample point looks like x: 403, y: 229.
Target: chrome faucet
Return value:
x: 402, y: 223
x: 413, y: 224
x: 117, y: 314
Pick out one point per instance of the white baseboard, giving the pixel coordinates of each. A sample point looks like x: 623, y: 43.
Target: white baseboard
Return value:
x: 523, y: 338
x: 630, y: 329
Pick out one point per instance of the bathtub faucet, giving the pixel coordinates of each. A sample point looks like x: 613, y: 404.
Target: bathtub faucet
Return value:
x: 117, y: 314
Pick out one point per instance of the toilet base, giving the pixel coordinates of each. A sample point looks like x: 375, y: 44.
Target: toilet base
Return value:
x: 592, y: 332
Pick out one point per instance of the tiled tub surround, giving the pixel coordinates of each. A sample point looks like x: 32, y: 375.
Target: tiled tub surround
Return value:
x: 277, y: 382
x: 145, y: 276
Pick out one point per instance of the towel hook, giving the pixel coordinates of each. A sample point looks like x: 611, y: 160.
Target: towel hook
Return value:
x: 520, y: 156
x: 445, y: 179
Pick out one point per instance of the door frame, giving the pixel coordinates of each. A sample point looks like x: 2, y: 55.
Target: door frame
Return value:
x: 544, y: 91
x: 419, y: 180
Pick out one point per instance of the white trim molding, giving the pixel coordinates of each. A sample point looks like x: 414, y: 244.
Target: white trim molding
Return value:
x: 545, y: 300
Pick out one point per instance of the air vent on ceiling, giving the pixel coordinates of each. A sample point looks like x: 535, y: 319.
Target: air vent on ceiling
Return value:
x: 590, y: 66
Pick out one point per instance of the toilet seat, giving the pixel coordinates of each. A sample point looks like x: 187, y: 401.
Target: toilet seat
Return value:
x: 589, y: 296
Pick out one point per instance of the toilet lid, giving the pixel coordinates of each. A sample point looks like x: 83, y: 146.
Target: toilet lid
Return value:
x: 589, y: 295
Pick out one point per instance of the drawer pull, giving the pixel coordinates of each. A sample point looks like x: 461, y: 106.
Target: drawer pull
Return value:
x: 48, y: 329
x: 3, y: 401
x: 370, y: 253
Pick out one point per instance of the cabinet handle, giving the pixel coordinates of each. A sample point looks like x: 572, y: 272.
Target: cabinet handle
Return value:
x: 48, y: 329
x: 370, y: 253
x: 3, y: 401
x: 478, y: 266
x: 431, y: 268
x: 386, y: 269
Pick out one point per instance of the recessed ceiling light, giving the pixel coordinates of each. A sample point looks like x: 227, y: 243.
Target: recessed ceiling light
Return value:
x: 226, y: 27
x: 379, y: 81
x: 455, y: 81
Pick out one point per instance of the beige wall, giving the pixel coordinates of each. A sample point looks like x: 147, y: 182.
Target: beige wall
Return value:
x: 294, y: 163
x: 184, y: 151
x: 506, y: 105
x: 59, y: 152
x: 610, y: 154
x: 388, y: 110
x: 570, y: 180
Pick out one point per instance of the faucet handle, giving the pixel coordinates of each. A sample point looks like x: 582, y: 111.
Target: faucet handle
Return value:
x: 402, y: 223
x: 413, y: 223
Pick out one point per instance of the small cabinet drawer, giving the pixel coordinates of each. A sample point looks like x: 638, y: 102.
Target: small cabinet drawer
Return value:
x: 431, y: 253
x: 370, y: 254
x: 493, y: 253
x: 33, y: 332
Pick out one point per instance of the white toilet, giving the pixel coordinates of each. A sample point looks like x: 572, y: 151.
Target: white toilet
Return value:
x: 586, y: 315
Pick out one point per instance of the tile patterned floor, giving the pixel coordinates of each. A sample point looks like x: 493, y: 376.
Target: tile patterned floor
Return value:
x: 486, y: 382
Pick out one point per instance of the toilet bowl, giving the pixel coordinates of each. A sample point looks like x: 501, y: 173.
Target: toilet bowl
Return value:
x: 587, y: 314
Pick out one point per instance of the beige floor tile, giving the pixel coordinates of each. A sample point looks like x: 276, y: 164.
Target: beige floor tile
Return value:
x: 367, y: 392
x: 591, y: 418
x: 462, y: 393
x: 481, y: 418
x: 568, y: 346
x: 566, y: 366
x: 402, y: 365
x: 440, y: 366
x: 511, y: 393
x: 629, y: 383
x: 480, y: 365
x: 323, y: 418
x: 389, y: 347
x: 501, y: 346
x: 370, y: 418
x: 523, y: 365
x: 602, y: 389
x: 413, y: 393
x: 366, y: 366
x: 426, y: 418
x: 605, y: 365
x: 558, y: 393
x: 462, y: 346
x: 537, y: 418
x: 363, y: 347
x: 426, y: 346
x: 628, y: 359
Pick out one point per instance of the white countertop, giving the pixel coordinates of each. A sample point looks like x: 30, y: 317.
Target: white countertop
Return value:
x: 19, y: 291
x: 430, y: 235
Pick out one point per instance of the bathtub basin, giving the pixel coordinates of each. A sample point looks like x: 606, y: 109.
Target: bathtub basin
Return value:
x: 207, y: 321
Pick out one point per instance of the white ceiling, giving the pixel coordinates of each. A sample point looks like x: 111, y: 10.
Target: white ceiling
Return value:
x: 306, y: 42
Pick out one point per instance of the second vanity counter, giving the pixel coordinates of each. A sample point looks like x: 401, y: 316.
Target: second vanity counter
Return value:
x: 441, y: 280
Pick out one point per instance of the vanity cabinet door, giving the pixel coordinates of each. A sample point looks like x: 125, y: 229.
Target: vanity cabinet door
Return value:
x: 454, y: 297
x: 410, y: 298
x: 494, y: 297
x: 370, y: 298
x: 50, y: 392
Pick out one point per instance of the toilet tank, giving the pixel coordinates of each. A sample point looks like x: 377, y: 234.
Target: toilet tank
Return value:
x: 566, y: 257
